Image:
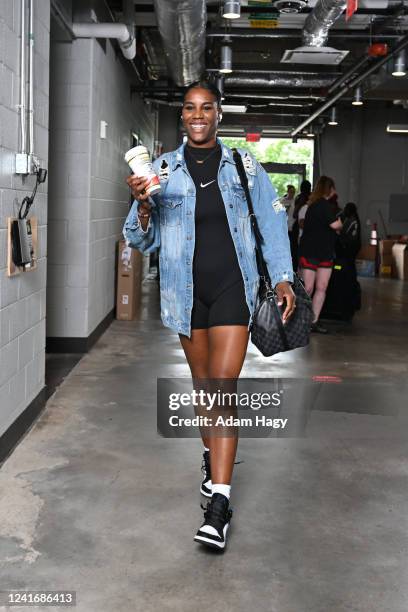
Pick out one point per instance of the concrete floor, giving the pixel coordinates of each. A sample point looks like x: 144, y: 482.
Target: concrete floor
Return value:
x: 93, y: 500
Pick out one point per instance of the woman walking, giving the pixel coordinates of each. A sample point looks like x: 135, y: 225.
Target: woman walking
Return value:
x: 317, y: 245
x: 208, y: 274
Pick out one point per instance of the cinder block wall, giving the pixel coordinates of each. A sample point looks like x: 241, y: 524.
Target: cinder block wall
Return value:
x: 22, y: 298
x: 90, y: 83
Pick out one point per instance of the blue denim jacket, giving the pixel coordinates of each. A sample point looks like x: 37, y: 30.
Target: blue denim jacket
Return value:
x: 171, y: 229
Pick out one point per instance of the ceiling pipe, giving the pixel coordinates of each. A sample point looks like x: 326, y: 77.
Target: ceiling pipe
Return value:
x: 352, y: 84
x: 182, y: 25
x: 278, y: 73
x: 123, y: 33
x: 279, y: 81
x: 320, y: 20
x: 362, y: 62
x: 284, y: 34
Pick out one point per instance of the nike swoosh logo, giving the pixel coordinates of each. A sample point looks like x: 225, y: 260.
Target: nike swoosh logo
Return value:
x: 206, y: 185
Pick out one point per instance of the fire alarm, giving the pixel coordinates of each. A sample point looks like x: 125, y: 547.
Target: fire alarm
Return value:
x: 378, y: 50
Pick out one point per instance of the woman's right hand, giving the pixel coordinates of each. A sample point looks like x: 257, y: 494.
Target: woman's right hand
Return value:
x: 138, y: 186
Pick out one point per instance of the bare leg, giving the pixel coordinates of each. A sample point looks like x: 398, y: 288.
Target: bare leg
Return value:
x: 227, y: 350
x: 322, y: 280
x: 196, y: 350
x: 309, y: 278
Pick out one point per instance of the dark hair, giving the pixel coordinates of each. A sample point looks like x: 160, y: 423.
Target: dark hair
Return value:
x: 350, y: 210
x: 290, y: 187
x: 305, y: 187
x: 322, y: 189
x: 205, y: 85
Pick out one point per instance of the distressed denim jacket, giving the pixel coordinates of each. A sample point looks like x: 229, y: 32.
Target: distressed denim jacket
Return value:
x: 171, y: 229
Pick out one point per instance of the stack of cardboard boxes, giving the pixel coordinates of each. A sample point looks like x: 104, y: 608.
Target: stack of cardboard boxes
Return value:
x: 391, y: 259
x: 366, y: 260
x: 129, y: 282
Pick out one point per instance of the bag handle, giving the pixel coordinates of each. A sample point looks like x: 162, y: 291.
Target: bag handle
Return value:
x: 262, y: 267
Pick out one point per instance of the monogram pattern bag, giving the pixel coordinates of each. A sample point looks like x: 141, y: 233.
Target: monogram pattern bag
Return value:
x: 268, y: 332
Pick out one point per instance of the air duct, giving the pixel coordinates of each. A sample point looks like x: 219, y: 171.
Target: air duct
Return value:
x: 123, y: 33
x: 279, y: 81
x: 315, y: 35
x: 182, y: 26
x: 320, y: 20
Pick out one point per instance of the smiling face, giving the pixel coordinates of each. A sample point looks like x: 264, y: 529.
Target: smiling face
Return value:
x: 200, y: 117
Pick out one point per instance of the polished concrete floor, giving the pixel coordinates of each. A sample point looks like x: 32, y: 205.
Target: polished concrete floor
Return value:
x: 93, y: 500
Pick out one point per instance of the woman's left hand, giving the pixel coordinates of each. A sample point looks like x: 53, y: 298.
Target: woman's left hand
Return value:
x: 285, y: 293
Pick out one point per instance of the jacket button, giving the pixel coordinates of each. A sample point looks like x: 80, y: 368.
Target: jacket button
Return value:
x: 235, y: 229
x: 251, y: 302
x: 231, y: 206
x: 246, y: 278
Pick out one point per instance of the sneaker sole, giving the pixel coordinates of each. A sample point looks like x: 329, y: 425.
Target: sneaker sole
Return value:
x: 205, y: 493
x: 211, y: 543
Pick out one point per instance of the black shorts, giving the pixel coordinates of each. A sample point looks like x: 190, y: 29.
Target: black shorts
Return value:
x: 225, y: 307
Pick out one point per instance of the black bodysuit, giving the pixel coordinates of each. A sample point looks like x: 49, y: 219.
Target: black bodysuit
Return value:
x: 219, y: 295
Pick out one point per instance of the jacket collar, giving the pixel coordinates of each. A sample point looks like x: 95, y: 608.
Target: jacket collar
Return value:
x: 178, y: 155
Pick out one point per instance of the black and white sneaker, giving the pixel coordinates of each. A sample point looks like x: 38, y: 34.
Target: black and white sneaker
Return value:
x: 217, y: 517
x: 206, y: 484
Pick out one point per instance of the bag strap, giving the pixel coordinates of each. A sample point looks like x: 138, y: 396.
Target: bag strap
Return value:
x: 262, y: 267
x: 259, y: 241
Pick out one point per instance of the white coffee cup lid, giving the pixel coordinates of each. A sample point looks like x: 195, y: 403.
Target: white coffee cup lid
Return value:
x: 135, y: 151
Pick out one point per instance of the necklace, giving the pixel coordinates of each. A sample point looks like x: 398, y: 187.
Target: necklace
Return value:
x: 201, y: 161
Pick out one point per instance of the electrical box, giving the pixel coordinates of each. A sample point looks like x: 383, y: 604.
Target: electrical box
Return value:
x: 27, y: 163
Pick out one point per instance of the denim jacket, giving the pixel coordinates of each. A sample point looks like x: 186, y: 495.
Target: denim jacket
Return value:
x: 171, y: 229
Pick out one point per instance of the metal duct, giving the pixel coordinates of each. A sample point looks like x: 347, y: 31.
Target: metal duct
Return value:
x: 320, y: 20
x: 279, y: 81
x: 122, y: 32
x: 182, y: 26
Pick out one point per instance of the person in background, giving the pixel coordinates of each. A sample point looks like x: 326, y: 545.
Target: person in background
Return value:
x: 348, y: 244
x: 288, y: 202
x: 300, y: 202
x: 334, y: 200
x: 317, y: 245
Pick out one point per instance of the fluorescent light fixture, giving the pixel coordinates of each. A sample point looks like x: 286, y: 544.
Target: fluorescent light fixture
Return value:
x: 234, y: 108
x: 226, y: 59
x: 231, y: 9
x: 333, y: 116
x: 397, y: 128
x: 399, y: 65
x: 219, y: 83
x: 358, y: 97
x: 311, y: 131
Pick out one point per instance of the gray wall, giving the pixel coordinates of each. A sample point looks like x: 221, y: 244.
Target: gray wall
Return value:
x: 90, y: 83
x: 367, y: 163
x: 22, y: 298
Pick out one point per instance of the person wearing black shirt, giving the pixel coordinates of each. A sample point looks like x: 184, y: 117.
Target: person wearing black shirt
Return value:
x: 216, y: 350
x: 317, y: 245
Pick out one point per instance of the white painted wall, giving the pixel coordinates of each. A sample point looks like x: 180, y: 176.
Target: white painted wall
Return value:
x: 22, y: 298
x: 90, y: 83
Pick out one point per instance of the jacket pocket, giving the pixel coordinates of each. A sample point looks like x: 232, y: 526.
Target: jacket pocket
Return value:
x: 171, y: 211
x: 240, y: 200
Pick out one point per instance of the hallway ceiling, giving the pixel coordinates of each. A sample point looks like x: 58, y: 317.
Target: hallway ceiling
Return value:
x: 259, y: 78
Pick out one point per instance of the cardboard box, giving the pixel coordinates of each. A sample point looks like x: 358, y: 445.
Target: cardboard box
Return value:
x: 400, y: 261
x: 367, y: 252
x: 385, y: 247
x: 129, y: 283
x: 365, y: 267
